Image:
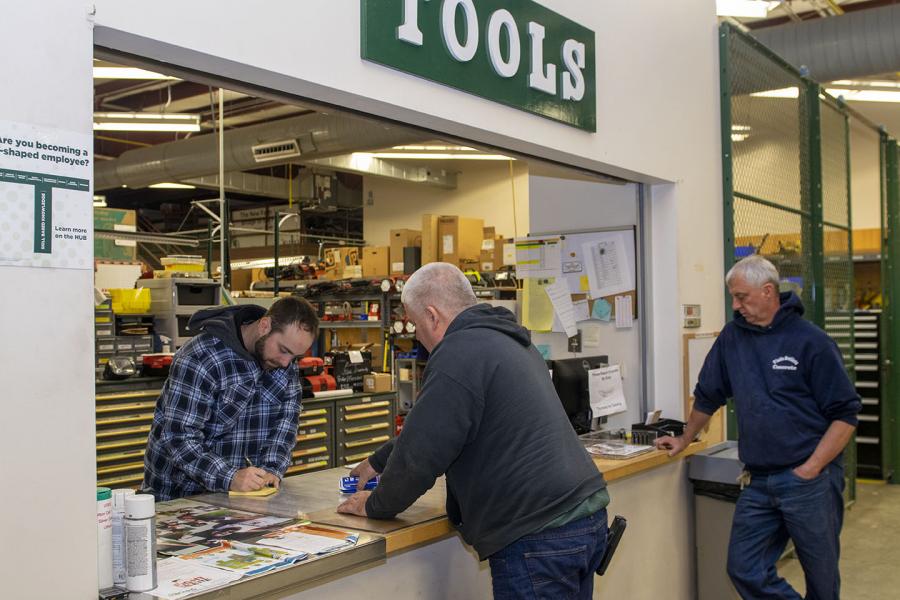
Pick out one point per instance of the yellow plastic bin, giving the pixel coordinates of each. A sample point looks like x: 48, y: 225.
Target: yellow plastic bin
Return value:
x: 130, y: 301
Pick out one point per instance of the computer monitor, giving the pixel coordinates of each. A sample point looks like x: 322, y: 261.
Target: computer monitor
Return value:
x: 570, y: 378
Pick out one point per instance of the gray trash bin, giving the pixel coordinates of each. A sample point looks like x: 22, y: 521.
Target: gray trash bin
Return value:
x: 714, y: 473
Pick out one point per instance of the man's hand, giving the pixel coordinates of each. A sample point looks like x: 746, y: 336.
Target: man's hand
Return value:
x: 365, y: 472
x: 673, y: 444
x: 355, y: 504
x: 807, y: 472
x: 249, y: 480
x: 272, y: 480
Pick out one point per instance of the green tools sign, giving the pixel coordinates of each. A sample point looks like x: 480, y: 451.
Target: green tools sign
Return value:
x: 513, y: 52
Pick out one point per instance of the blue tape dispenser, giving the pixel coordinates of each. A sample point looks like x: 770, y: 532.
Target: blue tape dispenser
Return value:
x: 348, y: 484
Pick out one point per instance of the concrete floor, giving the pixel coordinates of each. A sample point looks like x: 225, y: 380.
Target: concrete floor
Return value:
x: 870, y: 554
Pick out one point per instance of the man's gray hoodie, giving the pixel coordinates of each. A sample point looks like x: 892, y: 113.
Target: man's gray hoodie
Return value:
x: 489, y: 418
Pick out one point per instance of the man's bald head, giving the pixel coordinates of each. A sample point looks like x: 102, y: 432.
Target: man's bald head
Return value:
x: 441, y: 285
x: 433, y: 297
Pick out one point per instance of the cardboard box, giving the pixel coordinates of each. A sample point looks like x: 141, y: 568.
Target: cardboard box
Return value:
x: 491, y: 254
x: 400, y: 239
x: 337, y: 260
x: 430, y: 248
x: 489, y: 233
x: 460, y: 239
x: 377, y: 382
x: 376, y: 261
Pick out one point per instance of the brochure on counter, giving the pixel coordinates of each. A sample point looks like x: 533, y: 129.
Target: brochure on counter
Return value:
x: 184, y: 527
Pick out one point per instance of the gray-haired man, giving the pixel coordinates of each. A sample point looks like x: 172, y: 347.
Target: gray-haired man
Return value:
x: 796, y: 410
x: 520, y: 487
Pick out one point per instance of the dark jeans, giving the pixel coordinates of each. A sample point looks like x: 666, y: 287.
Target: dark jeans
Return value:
x: 555, y: 564
x: 779, y: 506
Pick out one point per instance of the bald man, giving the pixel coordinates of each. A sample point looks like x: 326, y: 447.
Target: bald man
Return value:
x: 520, y: 487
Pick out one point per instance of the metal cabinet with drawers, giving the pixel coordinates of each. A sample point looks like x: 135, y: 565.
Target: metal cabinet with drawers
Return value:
x: 124, y: 414
x: 315, y: 438
x: 362, y: 424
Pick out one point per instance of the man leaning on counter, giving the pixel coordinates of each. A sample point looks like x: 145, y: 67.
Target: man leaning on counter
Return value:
x: 520, y: 487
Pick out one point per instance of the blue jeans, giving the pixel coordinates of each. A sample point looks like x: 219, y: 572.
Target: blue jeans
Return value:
x: 556, y: 563
x: 779, y: 506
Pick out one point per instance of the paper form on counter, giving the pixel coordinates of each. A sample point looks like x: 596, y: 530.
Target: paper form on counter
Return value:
x: 605, y: 389
x: 607, y: 267
x: 538, y: 258
x: 179, y: 578
x: 537, y: 310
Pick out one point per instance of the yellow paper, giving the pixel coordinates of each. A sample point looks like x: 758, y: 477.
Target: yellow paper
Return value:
x: 266, y: 491
x: 537, y: 310
x: 585, y: 283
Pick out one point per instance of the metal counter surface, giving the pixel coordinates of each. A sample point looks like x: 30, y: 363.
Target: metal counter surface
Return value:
x: 315, y: 496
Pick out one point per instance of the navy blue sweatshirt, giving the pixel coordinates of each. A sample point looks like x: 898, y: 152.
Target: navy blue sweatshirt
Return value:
x: 489, y: 417
x: 788, y: 382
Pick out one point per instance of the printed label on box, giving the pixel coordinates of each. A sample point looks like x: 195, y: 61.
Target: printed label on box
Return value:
x: 448, y: 244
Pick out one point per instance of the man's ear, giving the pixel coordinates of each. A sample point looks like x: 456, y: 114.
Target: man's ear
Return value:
x: 432, y: 315
x: 264, y: 326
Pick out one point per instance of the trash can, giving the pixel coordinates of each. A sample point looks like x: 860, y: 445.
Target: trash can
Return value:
x: 714, y: 473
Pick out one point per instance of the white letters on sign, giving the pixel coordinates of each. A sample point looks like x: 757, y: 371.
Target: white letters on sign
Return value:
x: 537, y: 78
x: 409, y: 31
x: 573, y: 79
x: 462, y: 53
x: 500, y: 20
x: 542, y: 76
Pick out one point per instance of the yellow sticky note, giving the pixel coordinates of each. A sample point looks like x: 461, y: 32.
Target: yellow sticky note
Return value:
x: 537, y: 310
x: 585, y: 284
x: 266, y: 491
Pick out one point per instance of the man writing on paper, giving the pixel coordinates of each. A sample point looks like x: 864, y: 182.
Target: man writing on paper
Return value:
x: 227, y: 415
x: 796, y: 410
x: 518, y: 479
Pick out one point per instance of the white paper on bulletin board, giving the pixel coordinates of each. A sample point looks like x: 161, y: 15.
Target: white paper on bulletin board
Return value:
x: 574, y: 263
x: 698, y: 346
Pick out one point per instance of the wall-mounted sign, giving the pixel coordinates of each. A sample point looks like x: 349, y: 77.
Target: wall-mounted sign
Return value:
x: 515, y: 52
x: 46, y: 207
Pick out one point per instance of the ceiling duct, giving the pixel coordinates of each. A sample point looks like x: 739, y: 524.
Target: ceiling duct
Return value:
x: 276, y: 151
x: 316, y: 136
x: 856, y: 44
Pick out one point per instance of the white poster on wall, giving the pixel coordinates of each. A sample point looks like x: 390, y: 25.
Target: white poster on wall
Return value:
x: 46, y: 206
x: 607, y: 267
x: 606, y: 393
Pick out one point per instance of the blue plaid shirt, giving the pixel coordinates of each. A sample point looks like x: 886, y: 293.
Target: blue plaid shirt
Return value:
x: 216, y: 408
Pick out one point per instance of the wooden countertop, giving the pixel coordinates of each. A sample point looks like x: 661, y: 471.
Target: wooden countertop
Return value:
x: 619, y: 469
x: 612, y: 470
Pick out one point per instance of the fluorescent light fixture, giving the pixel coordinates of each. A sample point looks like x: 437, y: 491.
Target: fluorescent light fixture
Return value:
x: 790, y: 92
x: 744, y: 8
x: 127, y: 73
x: 739, y: 137
x: 865, y: 95
x: 433, y: 156
x: 124, y: 121
x: 738, y: 128
x: 99, y: 201
x: 172, y: 186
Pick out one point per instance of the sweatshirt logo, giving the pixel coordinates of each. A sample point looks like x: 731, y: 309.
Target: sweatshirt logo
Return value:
x: 785, y: 363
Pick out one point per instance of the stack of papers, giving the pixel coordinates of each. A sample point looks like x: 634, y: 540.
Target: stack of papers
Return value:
x: 309, y: 538
x: 244, y: 559
x: 618, y: 450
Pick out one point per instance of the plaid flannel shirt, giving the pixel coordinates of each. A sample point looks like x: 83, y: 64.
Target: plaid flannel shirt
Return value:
x: 216, y: 408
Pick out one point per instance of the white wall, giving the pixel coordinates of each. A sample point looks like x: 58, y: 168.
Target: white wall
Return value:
x: 484, y: 190
x: 47, y: 429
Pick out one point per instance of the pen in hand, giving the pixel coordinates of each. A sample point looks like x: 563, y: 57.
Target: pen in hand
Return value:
x: 248, y: 461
